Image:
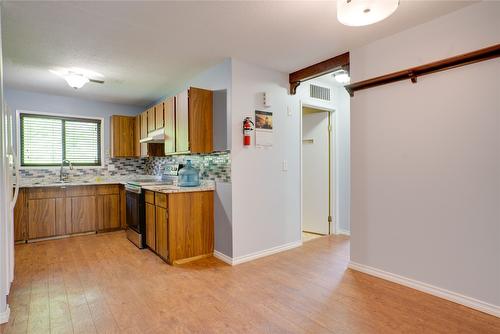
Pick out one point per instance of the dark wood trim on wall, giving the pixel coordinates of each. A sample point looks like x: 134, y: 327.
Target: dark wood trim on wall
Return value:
x: 437, y: 66
x: 319, y: 69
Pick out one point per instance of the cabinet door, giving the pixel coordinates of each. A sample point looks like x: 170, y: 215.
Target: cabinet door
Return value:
x: 159, y: 116
x: 151, y: 119
x: 122, y: 136
x: 83, y: 214
x: 137, y: 136
x: 20, y: 217
x: 182, y: 122
x: 123, y: 207
x: 169, y: 107
x: 161, y: 232
x: 108, y: 212
x: 144, y: 133
x: 150, y: 226
x: 200, y: 120
x: 41, y: 218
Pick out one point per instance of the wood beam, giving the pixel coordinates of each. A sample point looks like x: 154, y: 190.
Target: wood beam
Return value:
x: 437, y: 66
x: 319, y: 69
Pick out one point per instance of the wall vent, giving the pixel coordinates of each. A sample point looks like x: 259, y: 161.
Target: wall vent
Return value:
x: 318, y: 92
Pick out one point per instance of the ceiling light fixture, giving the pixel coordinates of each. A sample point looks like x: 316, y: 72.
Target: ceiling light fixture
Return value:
x: 76, y: 77
x: 357, y: 13
x: 342, y: 77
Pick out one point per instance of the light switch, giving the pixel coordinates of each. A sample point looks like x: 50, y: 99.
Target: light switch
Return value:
x: 285, y: 166
x: 288, y: 110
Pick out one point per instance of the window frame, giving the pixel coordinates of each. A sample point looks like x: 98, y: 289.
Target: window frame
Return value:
x: 70, y: 117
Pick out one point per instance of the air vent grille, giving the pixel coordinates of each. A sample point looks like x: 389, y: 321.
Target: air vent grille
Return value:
x: 318, y: 92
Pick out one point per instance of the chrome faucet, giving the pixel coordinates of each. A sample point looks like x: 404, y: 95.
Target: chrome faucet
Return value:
x: 63, y: 176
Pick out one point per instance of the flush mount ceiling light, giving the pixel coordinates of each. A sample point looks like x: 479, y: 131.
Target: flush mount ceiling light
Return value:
x: 341, y: 76
x: 357, y: 13
x: 77, y: 77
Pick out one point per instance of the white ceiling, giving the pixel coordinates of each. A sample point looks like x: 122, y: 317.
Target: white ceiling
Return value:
x: 146, y: 50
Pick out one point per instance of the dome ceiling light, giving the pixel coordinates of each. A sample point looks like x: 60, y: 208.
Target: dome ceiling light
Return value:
x: 77, y: 78
x: 341, y: 76
x: 356, y: 13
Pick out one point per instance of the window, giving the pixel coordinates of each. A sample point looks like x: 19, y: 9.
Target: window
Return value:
x: 48, y: 140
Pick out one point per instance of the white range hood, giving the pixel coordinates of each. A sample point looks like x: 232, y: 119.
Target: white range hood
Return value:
x: 156, y: 136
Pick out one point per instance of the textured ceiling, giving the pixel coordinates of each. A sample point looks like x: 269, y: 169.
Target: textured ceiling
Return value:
x: 146, y: 50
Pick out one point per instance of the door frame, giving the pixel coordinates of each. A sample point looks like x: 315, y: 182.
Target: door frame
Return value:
x: 334, y: 190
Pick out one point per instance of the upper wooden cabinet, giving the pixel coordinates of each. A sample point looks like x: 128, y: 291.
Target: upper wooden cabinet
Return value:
x: 123, y: 136
x: 159, y: 116
x: 169, y: 125
x: 193, y: 121
x: 151, y: 119
x: 144, y: 133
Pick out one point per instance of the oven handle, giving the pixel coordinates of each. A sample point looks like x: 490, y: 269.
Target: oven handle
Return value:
x: 133, y: 189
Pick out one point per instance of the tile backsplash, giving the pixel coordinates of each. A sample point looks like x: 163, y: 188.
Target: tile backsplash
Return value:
x: 215, y: 166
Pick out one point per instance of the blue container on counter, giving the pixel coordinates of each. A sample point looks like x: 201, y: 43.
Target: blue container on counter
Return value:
x: 189, y: 176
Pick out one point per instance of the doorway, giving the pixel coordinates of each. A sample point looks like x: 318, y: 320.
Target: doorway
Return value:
x: 317, y: 177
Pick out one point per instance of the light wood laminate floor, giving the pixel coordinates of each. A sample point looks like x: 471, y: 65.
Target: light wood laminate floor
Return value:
x: 103, y: 283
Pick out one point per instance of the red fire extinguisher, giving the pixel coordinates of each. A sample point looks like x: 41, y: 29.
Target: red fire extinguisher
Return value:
x: 247, y: 131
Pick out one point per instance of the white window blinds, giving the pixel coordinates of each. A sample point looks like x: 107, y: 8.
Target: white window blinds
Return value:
x: 48, y: 140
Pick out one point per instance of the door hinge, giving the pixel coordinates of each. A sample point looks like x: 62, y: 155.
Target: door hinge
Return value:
x: 329, y: 219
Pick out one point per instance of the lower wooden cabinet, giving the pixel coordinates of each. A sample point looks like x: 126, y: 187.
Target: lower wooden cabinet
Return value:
x: 55, y: 211
x: 150, y: 226
x: 180, y: 226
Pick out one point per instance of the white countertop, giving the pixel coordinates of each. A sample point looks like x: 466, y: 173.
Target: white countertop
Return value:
x: 94, y: 181
x: 205, y: 185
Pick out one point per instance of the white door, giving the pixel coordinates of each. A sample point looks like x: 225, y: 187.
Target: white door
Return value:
x: 315, y: 175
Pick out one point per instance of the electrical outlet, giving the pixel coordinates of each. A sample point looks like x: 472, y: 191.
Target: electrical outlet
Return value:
x: 111, y: 167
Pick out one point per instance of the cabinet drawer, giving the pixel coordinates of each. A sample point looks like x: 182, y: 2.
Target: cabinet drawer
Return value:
x: 161, y: 200
x: 149, y: 196
x: 112, y: 189
x: 46, y: 192
x: 80, y: 191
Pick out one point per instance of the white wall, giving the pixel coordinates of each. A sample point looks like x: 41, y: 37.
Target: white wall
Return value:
x: 426, y: 158
x: 31, y: 101
x: 266, y: 200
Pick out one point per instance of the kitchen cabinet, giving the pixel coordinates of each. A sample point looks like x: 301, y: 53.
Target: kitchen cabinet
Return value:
x: 56, y: 211
x: 169, y: 125
x: 108, y: 207
x: 123, y: 207
x: 159, y: 116
x: 144, y: 133
x: 20, y: 217
x: 151, y: 119
x: 82, y: 213
x: 150, y: 220
x: 193, y: 121
x: 137, y: 136
x: 183, y: 225
x: 123, y: 137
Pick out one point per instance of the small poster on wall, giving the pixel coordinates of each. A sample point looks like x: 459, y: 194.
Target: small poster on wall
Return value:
x: 263, y: 128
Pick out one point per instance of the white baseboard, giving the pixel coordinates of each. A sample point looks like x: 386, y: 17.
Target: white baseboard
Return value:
x: 430, y: 289
x: 343, y: 232
x: 4, y: 316
x: 223, y: 257
x: 253, y: 256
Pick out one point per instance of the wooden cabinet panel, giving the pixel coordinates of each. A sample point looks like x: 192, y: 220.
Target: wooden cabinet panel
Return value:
x: 182, y: 122
x: 123, y: 207
x: 122, y: 136
x: 46, y: 192
x: 159, y: 116
x: 200, y: 120
x: 111, y: 189
x: 149, y: 197
x: 60, y: 223
x: 150, y: 226
x: 144, y: 133
x: 21, y: 217
x: 80, y: 191
x: 169, y: 125
x: 190, y: 224
x: 161, y: 200
x: 137, y: 136
x: 162, y: 233
x: 151, y: 119
x: 108, y: 215
x: 42, y: 218
x: 83, y: 214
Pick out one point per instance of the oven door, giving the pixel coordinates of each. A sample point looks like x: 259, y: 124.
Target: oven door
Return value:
x: 134, y: 210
